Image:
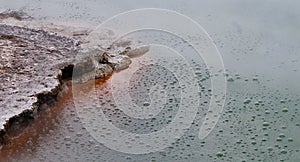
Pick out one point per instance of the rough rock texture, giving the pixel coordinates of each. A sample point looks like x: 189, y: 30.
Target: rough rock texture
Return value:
x: 34, y: 59
x: 33, y: 62
x: 130, y: 48
x: 119, y: 62
x: 90, y: 64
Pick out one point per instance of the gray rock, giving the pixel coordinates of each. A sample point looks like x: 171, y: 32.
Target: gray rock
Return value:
x: 119, y: 62
x: 103, y: 70
x: 131, y: 48
x: 97, y: 70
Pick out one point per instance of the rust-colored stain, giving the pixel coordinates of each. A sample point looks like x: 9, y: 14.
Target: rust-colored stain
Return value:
x: 48, y: 119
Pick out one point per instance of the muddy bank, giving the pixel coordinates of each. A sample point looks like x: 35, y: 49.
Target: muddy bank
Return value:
x: 34, y: 62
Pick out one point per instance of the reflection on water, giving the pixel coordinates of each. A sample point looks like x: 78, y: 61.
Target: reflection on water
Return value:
x: 257, y: 124
x: 26, y: 140
x: 259, y: 43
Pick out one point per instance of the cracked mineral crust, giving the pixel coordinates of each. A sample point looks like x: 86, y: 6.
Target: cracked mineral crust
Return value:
x: 32, y: 62
x: 30, y: 66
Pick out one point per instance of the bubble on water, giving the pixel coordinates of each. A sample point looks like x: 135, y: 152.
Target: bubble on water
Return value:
x: 247, y: 101
x: 283, y: 151
x: 270, y: 148
x: 285, y: 109
x: 283, y: 101
x: 219, y: 154
x: 281, y: 135
x: 67, y: 138
x: 230, y: 79
x: 255, y: 78
x: 266, y: 123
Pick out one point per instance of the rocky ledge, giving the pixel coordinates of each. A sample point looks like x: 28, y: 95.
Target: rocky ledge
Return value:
x: 33, y: 64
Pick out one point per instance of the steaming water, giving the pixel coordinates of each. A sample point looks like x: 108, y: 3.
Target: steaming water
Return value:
x: 259, y: 43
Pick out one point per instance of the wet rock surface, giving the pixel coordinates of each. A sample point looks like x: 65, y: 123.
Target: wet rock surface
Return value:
x: 34, y: 62
x: 30, y: 68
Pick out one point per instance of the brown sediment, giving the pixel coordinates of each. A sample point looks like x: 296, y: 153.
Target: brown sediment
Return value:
x: 18, y: 122
x: 46, y: 120
x: 32, y: 66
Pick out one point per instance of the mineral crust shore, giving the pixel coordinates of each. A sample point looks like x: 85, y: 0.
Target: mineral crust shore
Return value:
x: 33, y: 64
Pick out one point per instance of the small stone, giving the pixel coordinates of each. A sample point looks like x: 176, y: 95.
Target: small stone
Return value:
x: 119, y: 62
